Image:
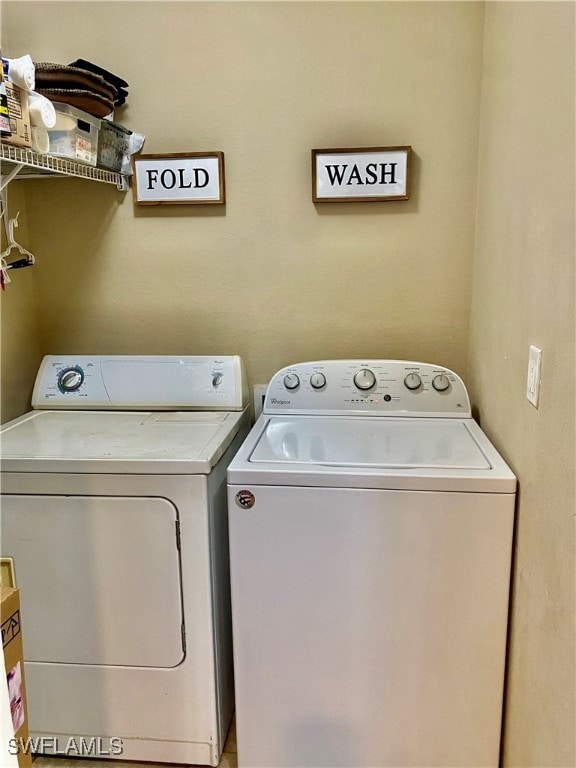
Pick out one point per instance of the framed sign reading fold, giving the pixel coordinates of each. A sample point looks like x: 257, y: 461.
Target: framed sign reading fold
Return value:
x: 367, y: 174
x: 182, y: 178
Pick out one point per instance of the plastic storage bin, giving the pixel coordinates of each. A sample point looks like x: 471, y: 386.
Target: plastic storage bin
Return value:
x: 75, y: 134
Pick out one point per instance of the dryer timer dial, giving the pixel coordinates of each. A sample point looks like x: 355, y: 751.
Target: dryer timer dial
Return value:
x: 70, y: 379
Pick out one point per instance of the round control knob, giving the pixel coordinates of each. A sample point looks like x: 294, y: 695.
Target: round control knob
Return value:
x: 217, y: 379
x: 70, y: 379
x: 441, y: 382
x: 364, y: 378
x: 317, y: 380
x: 412, y: 381
x: 291, y: 381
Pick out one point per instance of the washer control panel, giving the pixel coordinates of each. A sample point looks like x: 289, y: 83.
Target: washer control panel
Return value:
x: 141, y: 382
x: 378, y: 387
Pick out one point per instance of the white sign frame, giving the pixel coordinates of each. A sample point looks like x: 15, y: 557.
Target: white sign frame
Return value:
x: 179, y: 178
x: 365, y: 174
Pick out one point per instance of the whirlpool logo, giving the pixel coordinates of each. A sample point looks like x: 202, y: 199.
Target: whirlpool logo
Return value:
x: 245, y: 499
x: 275, y: 401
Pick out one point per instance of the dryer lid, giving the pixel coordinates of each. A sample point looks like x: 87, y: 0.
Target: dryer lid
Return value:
x: 184, y: 442
x: 357, y: 442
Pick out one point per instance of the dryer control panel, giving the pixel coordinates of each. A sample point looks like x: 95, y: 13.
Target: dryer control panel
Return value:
x: 141, y: 382
x: 375, y: 387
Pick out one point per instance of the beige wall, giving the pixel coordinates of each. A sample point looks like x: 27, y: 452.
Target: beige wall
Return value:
x: 278, y: 280
x: 20, y: 338
x: 524, y: 294
x: 271, y: 277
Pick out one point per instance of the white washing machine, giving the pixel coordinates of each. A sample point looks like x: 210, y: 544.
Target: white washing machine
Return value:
x: 370, y: 541
x: 114, y: 511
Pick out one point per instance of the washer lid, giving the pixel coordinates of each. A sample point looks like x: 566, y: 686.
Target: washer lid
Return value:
x: 366, y: 442
x: 423, y: 454
x: 186, y: 442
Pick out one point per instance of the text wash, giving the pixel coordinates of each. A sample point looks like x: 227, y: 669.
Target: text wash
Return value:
x: 374, y: 173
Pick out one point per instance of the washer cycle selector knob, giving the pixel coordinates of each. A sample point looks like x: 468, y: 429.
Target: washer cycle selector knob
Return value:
x: 317, y: 380
x: 217, y: 378
x: 441, y: 382
x: 364, y: 378
x: 291, y: 381
x: 412, y: 381
x: 70, y: 379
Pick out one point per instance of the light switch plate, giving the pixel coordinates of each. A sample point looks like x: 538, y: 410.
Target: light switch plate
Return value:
x: 533, y: 382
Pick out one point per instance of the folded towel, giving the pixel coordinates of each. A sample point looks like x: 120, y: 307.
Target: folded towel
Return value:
x: 40, y: 139
x: 42, y: 112
x: 22, y: 72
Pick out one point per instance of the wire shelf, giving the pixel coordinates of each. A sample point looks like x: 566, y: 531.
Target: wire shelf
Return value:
x: 18, y: 162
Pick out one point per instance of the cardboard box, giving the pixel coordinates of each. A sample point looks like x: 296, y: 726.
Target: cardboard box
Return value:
x: 4, y: 121
x: 19, y: 116
x: 14, y: 666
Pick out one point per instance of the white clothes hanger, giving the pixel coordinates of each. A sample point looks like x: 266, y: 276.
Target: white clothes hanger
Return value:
x: 11, y: 244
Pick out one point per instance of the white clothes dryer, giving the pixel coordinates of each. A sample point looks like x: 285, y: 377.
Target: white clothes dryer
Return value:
x: 114, y: 511
x: 371, y: 527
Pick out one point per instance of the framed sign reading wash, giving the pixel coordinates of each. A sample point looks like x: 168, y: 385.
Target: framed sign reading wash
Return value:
x: 368, y: 174
x: 181, y: 178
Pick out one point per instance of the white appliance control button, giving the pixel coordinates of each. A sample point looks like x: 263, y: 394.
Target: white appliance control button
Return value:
x: 317, y: 380
x: 364, y: 379
x: 291, y: 381
x: 441, y: 382
x: 70, y: 379
x: 217, y: 378
x: 412, y: 381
